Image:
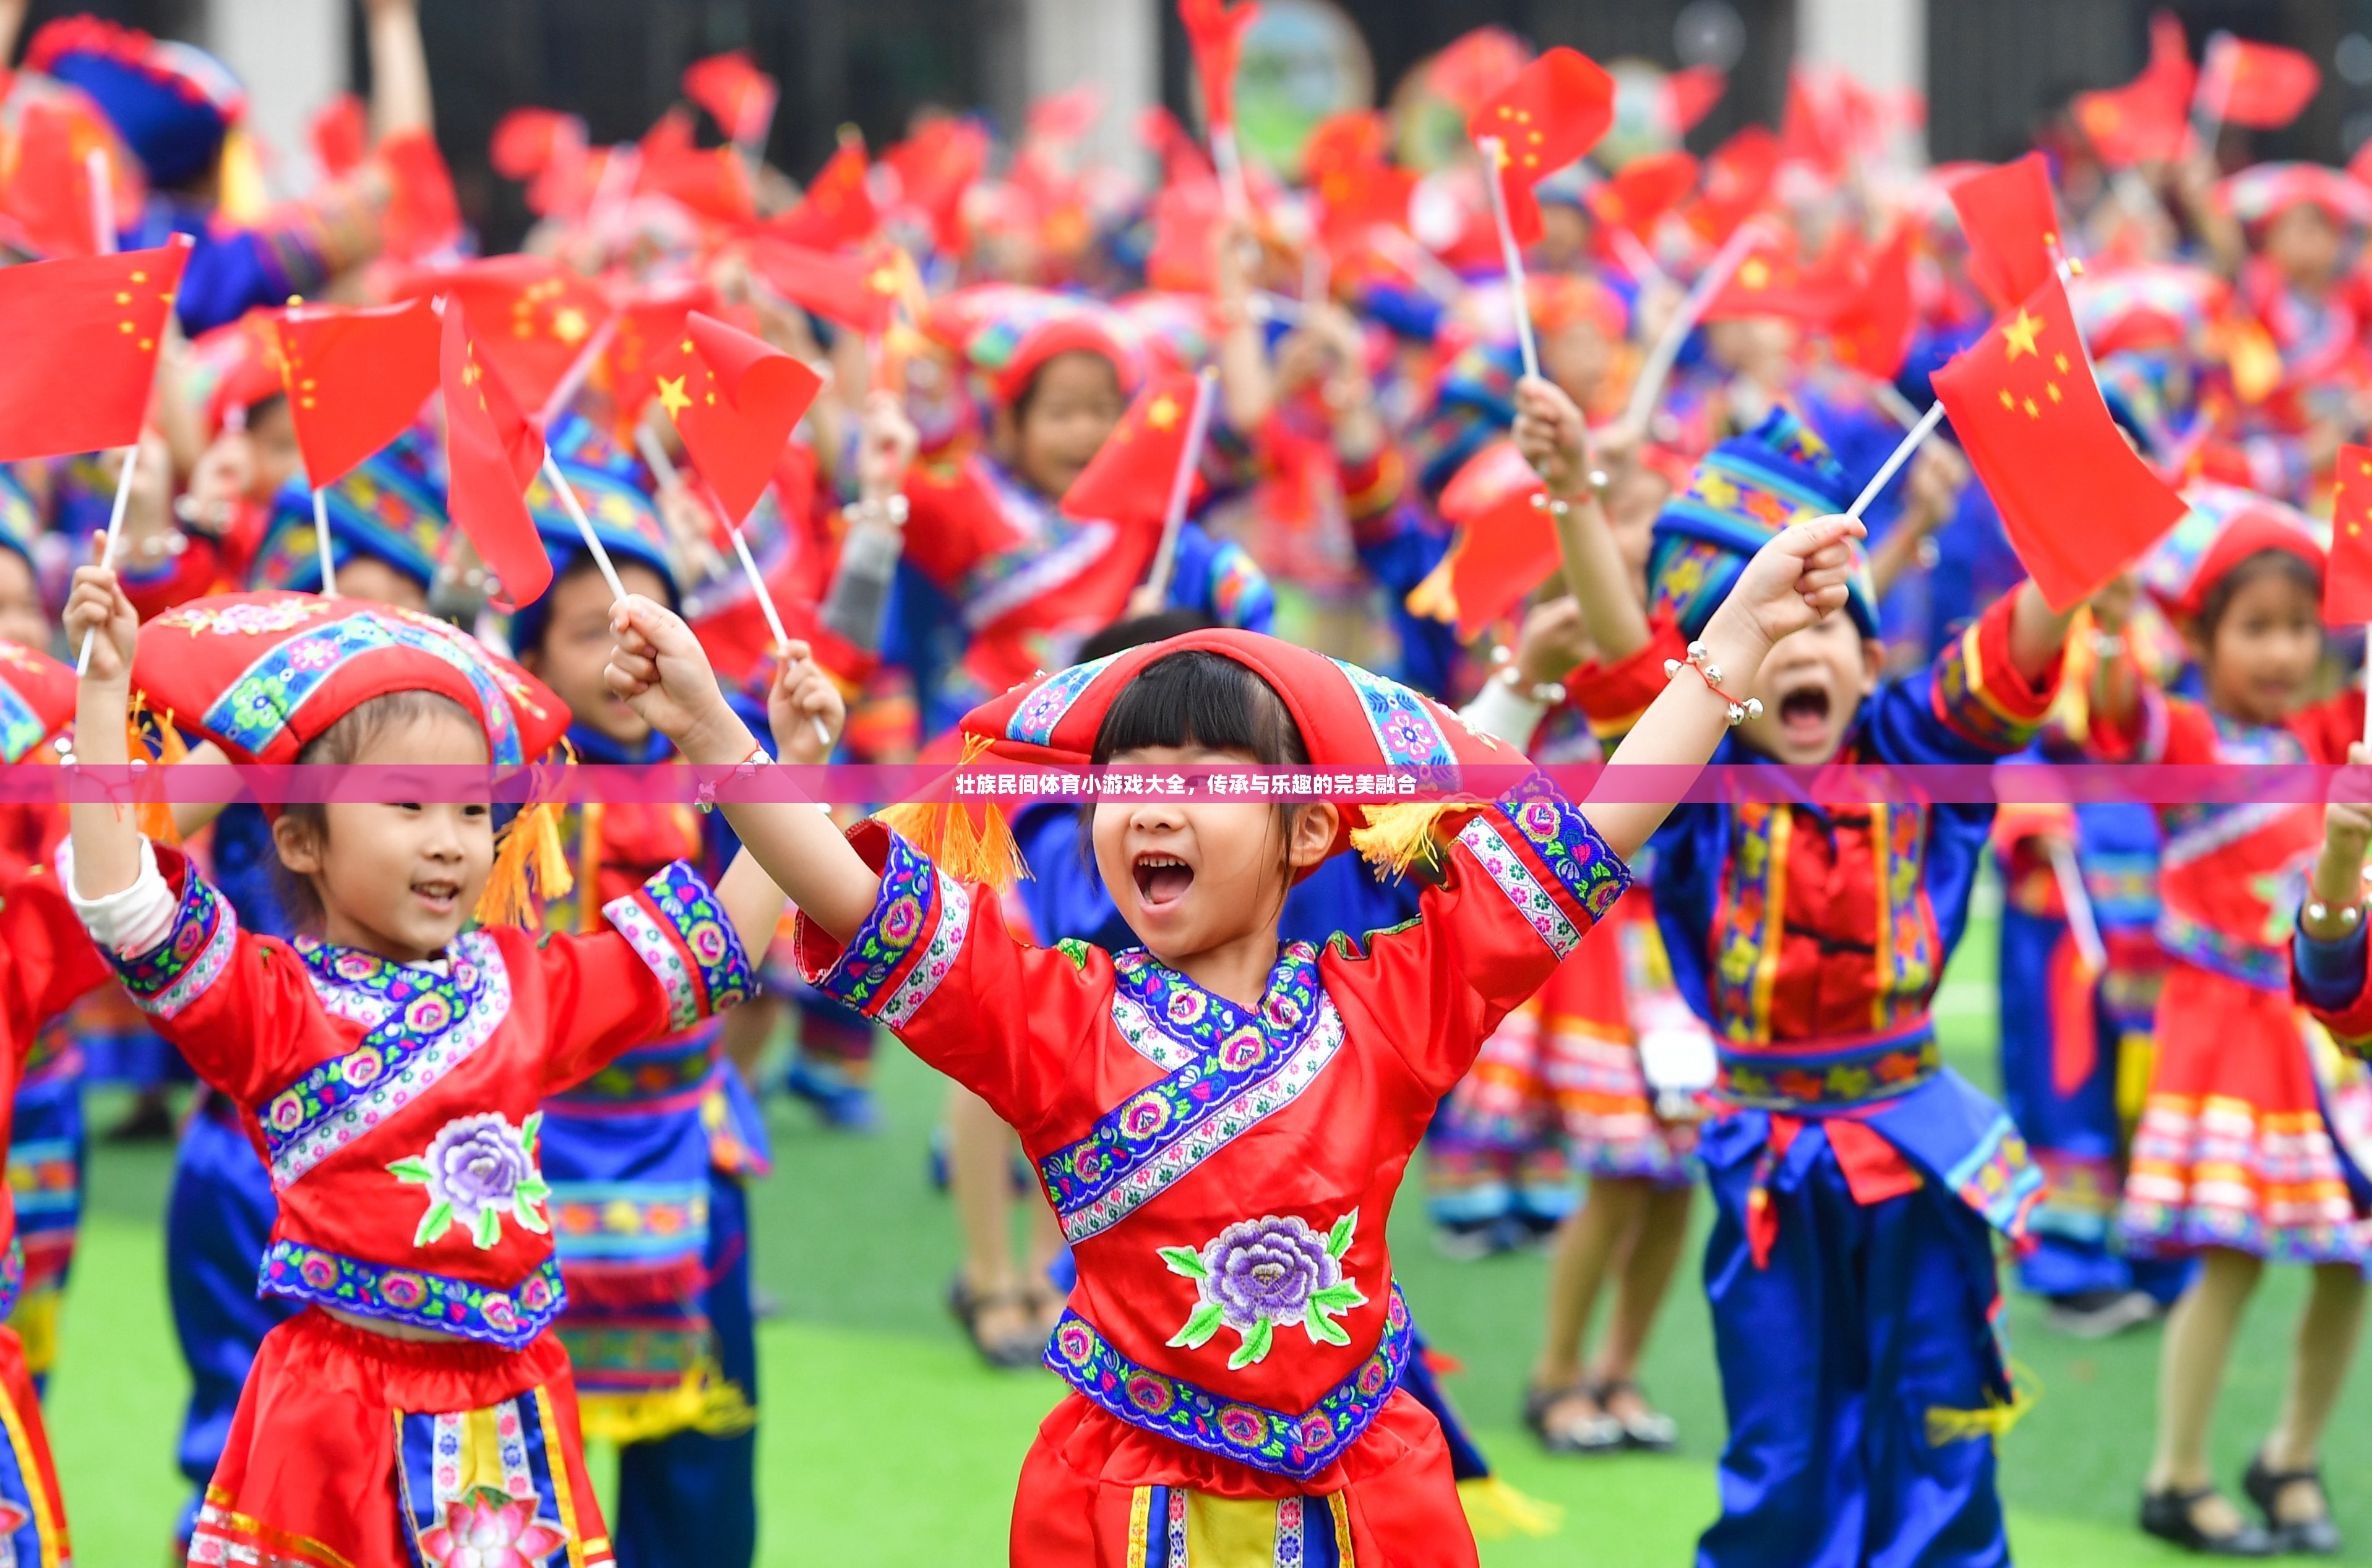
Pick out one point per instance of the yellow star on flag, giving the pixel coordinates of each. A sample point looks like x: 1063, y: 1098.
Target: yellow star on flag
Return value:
x: 1162, y: 414
x: 2019, y: 334
x: 672, y: 395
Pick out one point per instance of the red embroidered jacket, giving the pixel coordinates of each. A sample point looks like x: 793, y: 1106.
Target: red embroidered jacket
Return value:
x: 396, y: 1106
x: 46, y: 965
x: 1223, y: 1174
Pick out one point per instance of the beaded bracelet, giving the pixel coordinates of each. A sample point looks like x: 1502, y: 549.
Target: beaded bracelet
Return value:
x: 1701, y: 661
x: 1504, y: 669
x: 706, y: 797
x: 2348, y: 917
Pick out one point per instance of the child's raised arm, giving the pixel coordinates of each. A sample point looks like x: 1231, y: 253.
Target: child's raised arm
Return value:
x: 1554, y: 439
x: 106, y: 837
x: 1797, y: 579
x: 659, y: 669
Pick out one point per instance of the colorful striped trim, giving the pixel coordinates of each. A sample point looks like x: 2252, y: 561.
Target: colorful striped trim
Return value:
x: 260, y: 705
x: 1828, y: 1075
x: 1281, y: 1444
x: 907, y: 944
x: 1034, y: 722
x: 166, y: 978
x: 688, y: 908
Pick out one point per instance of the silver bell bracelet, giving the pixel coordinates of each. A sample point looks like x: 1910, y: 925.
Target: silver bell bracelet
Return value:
x: 1701, y: 661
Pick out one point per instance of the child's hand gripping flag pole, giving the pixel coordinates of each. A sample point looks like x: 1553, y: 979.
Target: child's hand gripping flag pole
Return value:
x: 1553, y: 112
x: 735, y: 400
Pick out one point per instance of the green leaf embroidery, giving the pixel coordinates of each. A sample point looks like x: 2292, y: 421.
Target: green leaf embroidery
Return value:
x: 1075, y: 951
x: 532, y: 1126
x: 1255, y: 1346
x: 1185, y: 1260
x: 1338, y: 1240
x: 410, y: 1169
x: 1318, y: 1326
x: 489, y: 1228
x: 535, y: 1190
x: 1338, y: 1297
x: 523, y: 1210
x: 1199, y: 1328
x: 432, y: 1224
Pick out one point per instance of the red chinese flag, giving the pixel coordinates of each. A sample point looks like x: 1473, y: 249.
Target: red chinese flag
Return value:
x: 2262, y: 86
x: 45, y: 194
x: 2347, y: 583
x: 2078, y: 503
x: 1737, y: 178
x: 837, y: 209
x: 82, y: 349
x: 2012, y: 224
x: 1129, y: 479
x: 1688, y: 94
x: 1873, y: 332
x: 1505, y: 546
x: 934, y: 166
x: 737, y: 96
x: 1553, y: 111
x: 1647, y: 187
x: 648, y: 328
x: 2146, y: 119
x: 491, y: 452
x: 533, y: 315
x: 848, y: 290
x: 735, y: 400
x: 356, y: 379
x: 1770, y: 282
x: 339, y: 135
x: 1216, y: 33
x: 423, y: 214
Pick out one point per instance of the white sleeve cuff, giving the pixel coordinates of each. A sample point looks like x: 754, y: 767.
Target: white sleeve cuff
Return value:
x: 129, y: 922
x: 1500, y: 713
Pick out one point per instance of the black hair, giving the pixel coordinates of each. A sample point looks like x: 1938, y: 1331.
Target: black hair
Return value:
x: 2218, y: 602
x: 1201, y: 699
x: 342, y: 742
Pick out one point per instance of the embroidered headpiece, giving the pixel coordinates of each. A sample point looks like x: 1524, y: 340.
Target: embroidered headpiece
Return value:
x: 1742, y: 492
x: 2263, y: 191
x: 20, y: 520
x: 1348, y: 718
x: 1004, y: 332
x: 172, y: 103
x: 2225, y: 526
x: 391, y: 508
x: 37, y: 699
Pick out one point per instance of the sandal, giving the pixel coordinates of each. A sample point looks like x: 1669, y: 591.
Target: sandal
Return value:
x: 2169, y: 1515
x: 1015, y: 1350
x: 2317, y: 1536
x: 1598, y: 1434
x: 1647, y: 1429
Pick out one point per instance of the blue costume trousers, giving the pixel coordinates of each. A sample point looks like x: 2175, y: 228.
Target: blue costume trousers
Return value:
x: 1831, y: 1355
x: 692, y: 1500
x: 217, y: 1223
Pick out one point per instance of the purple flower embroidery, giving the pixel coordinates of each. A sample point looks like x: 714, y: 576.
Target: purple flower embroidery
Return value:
x: 1259, y: 1275
x: 475, y: 1169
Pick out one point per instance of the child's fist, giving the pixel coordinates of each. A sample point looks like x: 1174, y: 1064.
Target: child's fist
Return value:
x: 1802, y: 574
x: 99, y: 614
x: 1552, y: 435
x: 803, y: 707
x: 661, y: 672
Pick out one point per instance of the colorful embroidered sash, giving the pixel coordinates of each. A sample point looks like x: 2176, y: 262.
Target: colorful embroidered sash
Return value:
x: 1282, y: 1443
x: 424, y: 1300
x: 1169, y: 1526
x: 1816, y: 1077
x: 495, y: 1479
x: 1227, y: 1070
x: 421, y: 1026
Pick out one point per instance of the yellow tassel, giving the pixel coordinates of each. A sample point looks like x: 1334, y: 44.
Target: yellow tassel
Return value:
x: 154, y: 818
x: 1497, y: 1511
x: 1946, y: 1426
x: 1398, y: 837
x: 530, y: 863
x: 944, y: 830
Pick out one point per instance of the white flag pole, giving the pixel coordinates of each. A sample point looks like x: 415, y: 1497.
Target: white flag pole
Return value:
x: 1667, y: 352
x: 1494, y: 154
x: 322, y: 542
x: 2083, y: 923
x: 1182, y: 484
x: 102, y: 202
x: 1900, y: 455
x: 560, y: 487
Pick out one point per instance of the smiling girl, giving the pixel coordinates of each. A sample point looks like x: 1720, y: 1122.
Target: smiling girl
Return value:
x: 1221, y: 1122
x: 389, y: 1064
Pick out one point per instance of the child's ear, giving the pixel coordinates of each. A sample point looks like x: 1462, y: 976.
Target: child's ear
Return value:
x: 1873, y: 664
x: 1314, y: 830
x: 298, y: 843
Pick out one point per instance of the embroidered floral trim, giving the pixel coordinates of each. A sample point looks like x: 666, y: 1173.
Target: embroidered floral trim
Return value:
x: 676, y: 902
x: 1034, y: 720
x: 1563, y: 838
x: 488, y: 1528
x: 1836, y: 1079
x: 247, y: 619
x: 1533, y: 901
x: 1259, y: 1275
x: 1282, y: 1443
x: 1234, y: 1069
x: 510, y: 1318
x: 1404, y: 727
x: 177, y: 972
x: 256, y: 708
x: 20, y: 729
x: 476, y: 1169
x: 906, y: 946
x: 422, y: 1024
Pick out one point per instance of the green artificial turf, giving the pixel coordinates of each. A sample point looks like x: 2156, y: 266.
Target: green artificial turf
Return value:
x: 886, y: 1445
